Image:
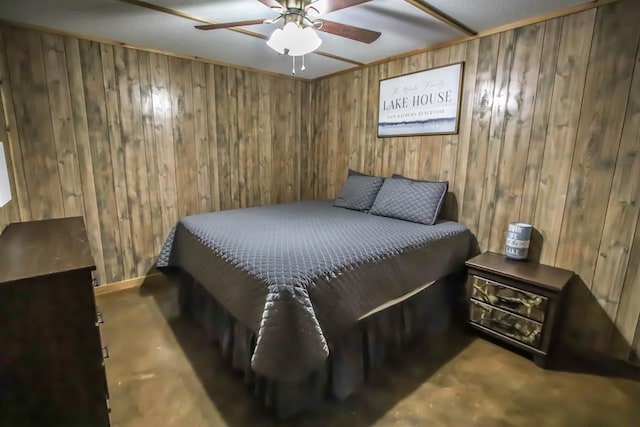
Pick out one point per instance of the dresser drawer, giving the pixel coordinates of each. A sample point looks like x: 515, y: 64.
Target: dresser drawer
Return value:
x: 513, y: 326
x: 511, y: 299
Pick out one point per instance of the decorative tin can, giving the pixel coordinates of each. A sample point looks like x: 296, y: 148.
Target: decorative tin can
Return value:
x: 518, y: 238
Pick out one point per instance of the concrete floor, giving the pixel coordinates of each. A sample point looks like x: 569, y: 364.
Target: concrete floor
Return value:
x: 162, y: 373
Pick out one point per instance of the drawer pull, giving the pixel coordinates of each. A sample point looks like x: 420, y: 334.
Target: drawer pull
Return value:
x: 100, y: 319
x: 105, y: 352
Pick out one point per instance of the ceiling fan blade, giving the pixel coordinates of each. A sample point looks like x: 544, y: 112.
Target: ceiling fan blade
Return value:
x: 326, y: 6
x: 272, y: 4
x: 229, y: 24
x: 348, y: 31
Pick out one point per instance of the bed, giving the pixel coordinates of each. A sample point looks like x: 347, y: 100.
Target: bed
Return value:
x: 305, y: 297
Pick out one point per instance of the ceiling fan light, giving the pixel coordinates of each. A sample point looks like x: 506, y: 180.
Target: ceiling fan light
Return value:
x: 278, y: 41
x: 294, y: 40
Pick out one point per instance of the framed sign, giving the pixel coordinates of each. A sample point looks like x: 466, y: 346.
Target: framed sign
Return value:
x: 421, y: 103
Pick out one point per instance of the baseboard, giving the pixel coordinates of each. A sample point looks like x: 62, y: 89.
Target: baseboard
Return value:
x: 124, y: 284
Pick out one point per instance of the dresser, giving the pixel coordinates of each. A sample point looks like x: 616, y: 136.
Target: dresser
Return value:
x: 518, y: 302
x: 51, y: 356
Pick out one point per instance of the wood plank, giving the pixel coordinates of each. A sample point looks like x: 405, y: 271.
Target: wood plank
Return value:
x: 100, y: 157
x: 622, y: 335
x: 540, y: 123
x: 479, y: 134
x: 118, y: 167
x: 351, y: 117
x: 252, y: 88
x: 12, y: 140
x: 496, y: 137
x: 223, y: 110
x: 243, y: 113
x: 83, y: 149
x: 10, y: 212
x: 57, y: 83
x: 614, y: 245
x: 163, y: 141
x: 519, y: 109
x: 183, y: 133
x: 449, y: 154
x: 380, y: 143
x: 201, y: 135
x: 611, y: 62
x: 135, y: 159
x: 291, y: 156
x: 212, y: 118
x: 466, y: 120
x: 34, y: 125
x: 135, y: 282
x: 573, y: 55
x: 233, y: 146
x: 440, y: 58
x: 146, y: 105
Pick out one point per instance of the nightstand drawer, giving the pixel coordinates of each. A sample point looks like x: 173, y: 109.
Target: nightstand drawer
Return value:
x: 513, y: 326
x: 509, y: 298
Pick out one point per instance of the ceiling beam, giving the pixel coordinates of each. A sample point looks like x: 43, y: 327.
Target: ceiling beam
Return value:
x: 181, y: 14
x: 441, y: 16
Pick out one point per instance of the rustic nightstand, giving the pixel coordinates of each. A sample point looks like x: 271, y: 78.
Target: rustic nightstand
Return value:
x: 516, y: 301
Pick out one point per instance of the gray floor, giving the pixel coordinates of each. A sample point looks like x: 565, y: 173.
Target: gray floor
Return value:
x: 163, y: 373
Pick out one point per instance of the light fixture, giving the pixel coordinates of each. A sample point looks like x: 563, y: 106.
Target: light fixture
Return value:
x: 5, y: 188
x: 294, y: 40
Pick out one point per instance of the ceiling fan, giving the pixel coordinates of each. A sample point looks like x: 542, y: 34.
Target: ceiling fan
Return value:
x: 297, y: 36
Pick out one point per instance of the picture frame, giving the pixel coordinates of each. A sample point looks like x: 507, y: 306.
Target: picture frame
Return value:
x: 421, y: 103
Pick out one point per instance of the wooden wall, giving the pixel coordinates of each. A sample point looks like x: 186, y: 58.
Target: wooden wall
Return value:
x: 133, y: 140
x: 549, y: 134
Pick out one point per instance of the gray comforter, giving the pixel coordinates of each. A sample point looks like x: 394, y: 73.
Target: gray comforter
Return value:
x: 299, y: 274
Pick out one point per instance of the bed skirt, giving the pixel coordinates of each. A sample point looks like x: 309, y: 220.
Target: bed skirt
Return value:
x: 352, y: 357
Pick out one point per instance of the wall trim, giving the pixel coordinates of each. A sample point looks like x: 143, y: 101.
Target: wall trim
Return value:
x: 507, y: 27
x: 125, y: 284
x: 42, y: 29
x: 491, y: 31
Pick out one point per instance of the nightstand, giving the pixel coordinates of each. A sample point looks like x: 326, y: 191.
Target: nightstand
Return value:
x: 518, y: 302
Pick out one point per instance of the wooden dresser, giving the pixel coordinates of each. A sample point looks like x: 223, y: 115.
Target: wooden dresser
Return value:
x: 51, y: 357
x: 518, y: 302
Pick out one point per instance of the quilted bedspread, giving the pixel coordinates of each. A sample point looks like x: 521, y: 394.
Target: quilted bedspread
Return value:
x: 298, y: 274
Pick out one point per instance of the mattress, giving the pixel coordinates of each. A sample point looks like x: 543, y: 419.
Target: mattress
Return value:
x: 299, y: 274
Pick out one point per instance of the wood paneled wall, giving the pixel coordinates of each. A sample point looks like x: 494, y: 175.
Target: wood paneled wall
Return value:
x: 549, y: 134
x: 134, y: 140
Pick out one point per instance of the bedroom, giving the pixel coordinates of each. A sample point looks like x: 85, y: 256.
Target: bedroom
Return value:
x: 134, y: 139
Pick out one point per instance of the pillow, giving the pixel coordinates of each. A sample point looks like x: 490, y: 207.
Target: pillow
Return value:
x: 354, y: 172
x: 359, y: 192
x: 410, y: 199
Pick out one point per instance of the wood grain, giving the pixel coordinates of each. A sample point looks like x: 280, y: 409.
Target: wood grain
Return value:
x: 548, y: 134
x: 566, y: 101
x: 135, y: 160
x: 100, y: 157
x: 541, y: 110
x: 519, y: 108
x: 611, y: 63
x: 34, y: 125
x: 133, y: 140
x: 85, y: 165
x: 12, y: 146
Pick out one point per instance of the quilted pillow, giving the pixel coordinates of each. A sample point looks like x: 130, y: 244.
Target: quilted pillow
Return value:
x: 359, y: 192
x: 410, y: 200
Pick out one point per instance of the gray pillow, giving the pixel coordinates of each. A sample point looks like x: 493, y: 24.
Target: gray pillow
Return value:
x: 359, y: 192
x: 410, y: 200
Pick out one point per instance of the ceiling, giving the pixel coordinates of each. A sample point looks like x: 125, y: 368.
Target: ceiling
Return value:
x: 156, y: 24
